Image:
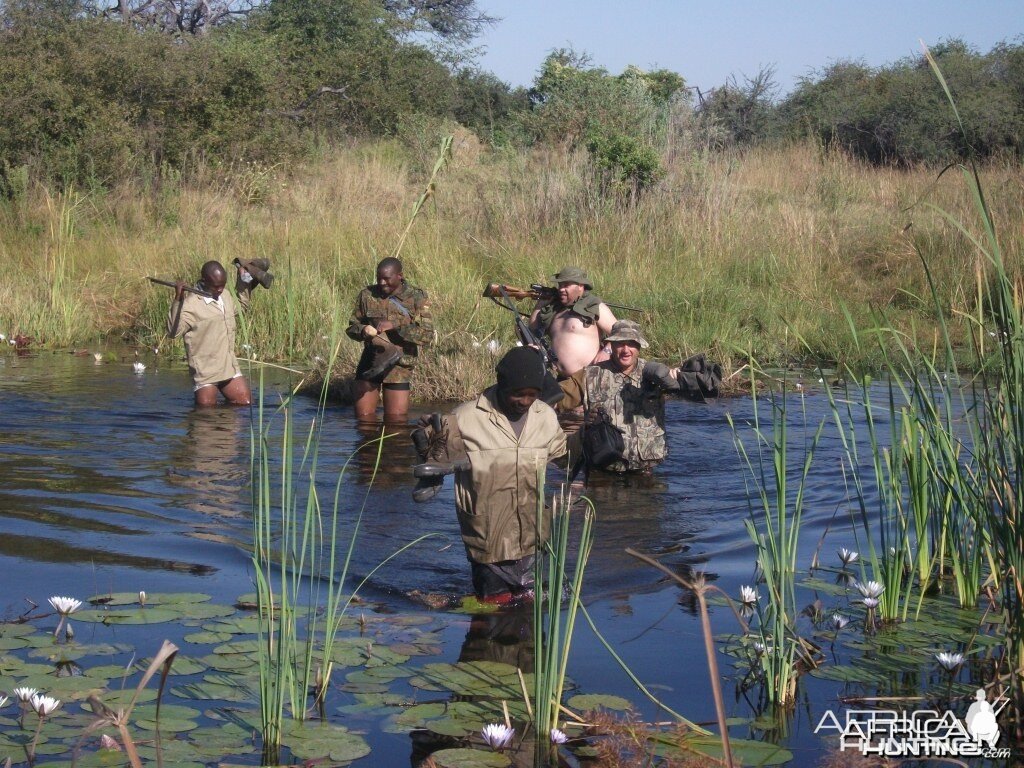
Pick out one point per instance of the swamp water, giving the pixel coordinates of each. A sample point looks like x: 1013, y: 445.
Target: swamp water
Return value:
x: 111, y: 483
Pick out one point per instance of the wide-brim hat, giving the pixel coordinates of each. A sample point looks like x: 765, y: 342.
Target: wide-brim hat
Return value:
x: 573, y: 275
x: 627, y: 330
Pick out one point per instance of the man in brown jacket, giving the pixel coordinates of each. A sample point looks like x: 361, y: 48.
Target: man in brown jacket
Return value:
x: 496, y: 444
x: 208, y: 328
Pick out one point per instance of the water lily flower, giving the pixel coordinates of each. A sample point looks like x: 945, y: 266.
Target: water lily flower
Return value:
x: 558, y: 737
x: 109, y: 742
x: 949, y: 661
x: 139, y: 367
x: 870, y: 602
x: 497, y: 735
x: 839, y: 621
x: 24, y: 695
x: 65, y: 606
x: 748, y: 595
x: 848, y: 556
x: 870, y: 589
x: 97, y: 356
x: 142, y: 597
x: 44, y: 705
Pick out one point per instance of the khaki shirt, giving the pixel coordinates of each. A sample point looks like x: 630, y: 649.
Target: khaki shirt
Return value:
x: 635, y: 408
x: 496, y: 498
x: 208, y: 328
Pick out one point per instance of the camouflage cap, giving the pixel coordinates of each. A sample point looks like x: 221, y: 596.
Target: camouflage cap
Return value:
x: 627, y: 330
x: 573, y: 275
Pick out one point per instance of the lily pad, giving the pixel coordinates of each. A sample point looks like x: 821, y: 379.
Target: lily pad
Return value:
x: 590, y: 701
x: 309, y: 741
x: 469, y: 758
x: 132, y: 598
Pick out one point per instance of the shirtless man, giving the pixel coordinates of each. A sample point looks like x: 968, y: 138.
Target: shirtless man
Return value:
x: 576, y: 323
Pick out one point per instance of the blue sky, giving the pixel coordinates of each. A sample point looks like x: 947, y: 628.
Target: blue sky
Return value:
x: 707, y: 41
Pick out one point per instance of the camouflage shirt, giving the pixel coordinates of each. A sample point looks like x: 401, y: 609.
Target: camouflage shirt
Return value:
x: 635, y: 407
x: 408, y: 310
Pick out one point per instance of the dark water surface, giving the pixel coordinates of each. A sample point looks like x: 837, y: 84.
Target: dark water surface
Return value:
x: 111, y: 481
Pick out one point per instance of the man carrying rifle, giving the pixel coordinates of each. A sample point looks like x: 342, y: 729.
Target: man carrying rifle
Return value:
x: 205, y: 317
x: 393, y: 320
x: 575, y: 320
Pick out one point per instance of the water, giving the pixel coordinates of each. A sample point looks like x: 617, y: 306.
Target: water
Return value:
x: 111, y: 481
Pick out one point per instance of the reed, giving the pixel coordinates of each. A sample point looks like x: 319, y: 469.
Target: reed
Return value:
x: 556, y: 591
x: 776, y: 513
x: 301, y: 571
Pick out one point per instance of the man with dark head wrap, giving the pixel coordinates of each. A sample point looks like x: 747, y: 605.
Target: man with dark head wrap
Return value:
x: 496, y: 444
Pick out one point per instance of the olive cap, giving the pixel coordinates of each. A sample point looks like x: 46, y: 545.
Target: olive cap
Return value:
x: 573, y: 275
x: 627, y: 330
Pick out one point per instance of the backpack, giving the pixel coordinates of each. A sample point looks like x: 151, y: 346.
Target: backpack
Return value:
x: 603, y: 443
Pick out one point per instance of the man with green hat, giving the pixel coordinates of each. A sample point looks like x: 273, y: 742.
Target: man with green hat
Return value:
x: 576, y: 322
x: 627, y: 394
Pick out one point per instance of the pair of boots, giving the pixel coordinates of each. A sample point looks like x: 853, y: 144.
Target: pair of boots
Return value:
x: 431, y: 442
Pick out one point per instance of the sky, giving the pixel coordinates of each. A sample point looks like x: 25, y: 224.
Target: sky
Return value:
x: 707, y: 41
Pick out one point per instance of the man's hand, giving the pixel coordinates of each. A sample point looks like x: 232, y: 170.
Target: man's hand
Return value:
x: 179, y: 290
x: 369, y: 332
x: 384, y: 325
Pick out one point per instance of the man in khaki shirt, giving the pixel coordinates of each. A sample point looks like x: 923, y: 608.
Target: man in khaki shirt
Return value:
x: 496, y: 445
x: 208, y: 328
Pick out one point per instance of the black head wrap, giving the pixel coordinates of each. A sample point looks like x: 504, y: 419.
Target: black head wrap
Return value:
x: 522, y: 367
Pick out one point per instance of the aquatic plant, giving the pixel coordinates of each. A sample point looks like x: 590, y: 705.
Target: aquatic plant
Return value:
x: 498, y: 736
x: 774, y: 527
x: 554, y: 590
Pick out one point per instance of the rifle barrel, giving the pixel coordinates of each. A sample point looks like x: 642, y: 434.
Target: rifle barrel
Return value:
x: 169, y: 284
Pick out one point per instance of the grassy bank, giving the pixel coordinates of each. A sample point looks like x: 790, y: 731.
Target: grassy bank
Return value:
x: 731, y: 253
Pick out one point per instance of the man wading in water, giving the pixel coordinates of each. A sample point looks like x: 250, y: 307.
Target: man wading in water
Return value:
x: 208, y: 327
x: 577, y: 322
x: 495, y: 445
x: 392, y: 319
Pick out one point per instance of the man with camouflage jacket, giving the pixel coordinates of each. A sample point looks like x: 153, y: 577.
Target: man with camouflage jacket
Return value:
x: 627, y: 392
x: 393, y: 320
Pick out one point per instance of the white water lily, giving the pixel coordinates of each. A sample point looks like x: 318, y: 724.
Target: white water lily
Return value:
x: 748, y: 595
x: 870, y: 589
x: 24, y: 695
x: 44, y: 705
x: 142, y: 597
x: 497, y: 735
x: 109, y: 742
x: 848, y: 556
x: 558, y: 737
x: 97, y: 356
x: 139, y: 367
x: 839, y: 621
x: 870, y: 602
x: 949, y: 661
x: 65, y: 606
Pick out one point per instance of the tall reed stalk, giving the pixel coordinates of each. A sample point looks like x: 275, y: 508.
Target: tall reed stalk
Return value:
x: 774, y: 527
x: 301, y: 574
x: 555, y: 590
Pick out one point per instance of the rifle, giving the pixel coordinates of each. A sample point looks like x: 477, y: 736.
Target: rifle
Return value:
x: 169, y: 284
x: 539, y: 292
x: 526, y: 334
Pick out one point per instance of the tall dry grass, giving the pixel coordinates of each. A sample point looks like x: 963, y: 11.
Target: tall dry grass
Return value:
x: 734, y: 253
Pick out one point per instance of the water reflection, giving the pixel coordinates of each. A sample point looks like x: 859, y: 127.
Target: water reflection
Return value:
x: 211, y: 460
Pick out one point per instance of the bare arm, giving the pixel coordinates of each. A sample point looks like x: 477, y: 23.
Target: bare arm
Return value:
x: 605, y: 320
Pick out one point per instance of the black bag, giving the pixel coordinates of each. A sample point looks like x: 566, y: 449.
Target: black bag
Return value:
x: 603, y: 443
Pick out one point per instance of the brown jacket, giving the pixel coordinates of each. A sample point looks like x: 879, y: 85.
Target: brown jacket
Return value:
x: 496, y: 499
x: 209, y: 336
